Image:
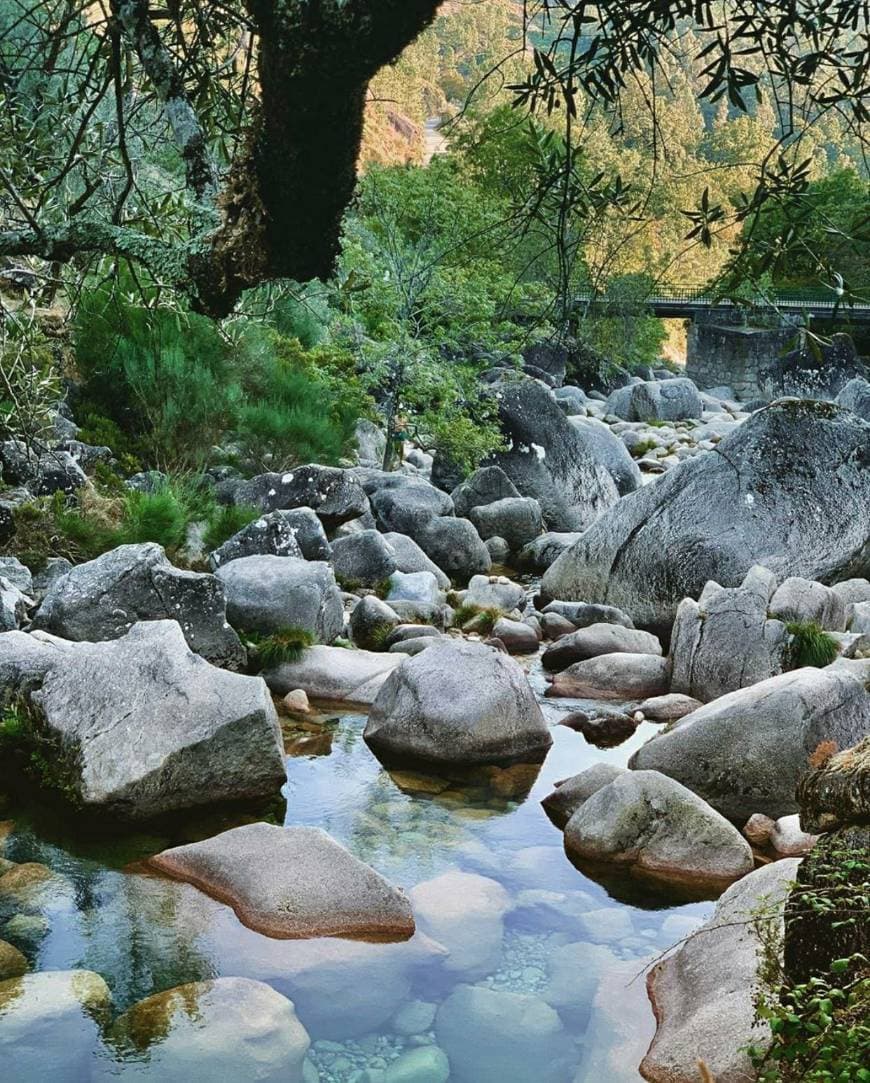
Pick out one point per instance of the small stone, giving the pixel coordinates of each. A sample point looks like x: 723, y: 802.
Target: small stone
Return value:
x: 297, y: 701
x: 414, y: 1017
x: 788, y: 840
x: 428, y: 1064
x: 759, y: 828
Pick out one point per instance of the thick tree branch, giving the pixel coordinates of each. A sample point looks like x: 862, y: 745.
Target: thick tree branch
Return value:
x: 158, y: 65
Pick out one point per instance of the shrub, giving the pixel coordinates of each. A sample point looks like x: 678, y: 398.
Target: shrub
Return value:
x: 810, y: 645
x: 30, y: 384
x: 227, y: 520
x: 286, y: 645
x: 481, y: 618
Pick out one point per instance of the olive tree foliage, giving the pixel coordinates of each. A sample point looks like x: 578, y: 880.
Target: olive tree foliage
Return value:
x: 214, y: 145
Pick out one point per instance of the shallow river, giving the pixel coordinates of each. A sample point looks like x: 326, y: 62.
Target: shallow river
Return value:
x: 561, y: 938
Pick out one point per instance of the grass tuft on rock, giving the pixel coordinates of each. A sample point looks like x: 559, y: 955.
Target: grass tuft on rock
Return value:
x: 810, y: 645
x: 281, y: 647
x: 476, y: 618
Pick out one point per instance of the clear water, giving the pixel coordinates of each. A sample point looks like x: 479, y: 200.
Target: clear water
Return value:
x: 144, y: 934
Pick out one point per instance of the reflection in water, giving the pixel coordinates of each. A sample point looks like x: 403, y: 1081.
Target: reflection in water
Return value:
x: 367, y: 1005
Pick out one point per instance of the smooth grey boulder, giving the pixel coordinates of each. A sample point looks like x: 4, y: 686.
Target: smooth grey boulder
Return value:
x: 802, y: 600
x: 860, y: 618
x: 703, y: 995
x: 572, y: 400
x: 855, y: 396
x: 294, y: 533
x: 516, y: 519
x: 657, y: 830
x: 362, y: 560
x: 572, y: 793
x: 490, y: 592
x: 267, y: 594
x: 331, y: 675
x: 17, y: 574
x: 458, y: 703
x: 613, y: 676
x: 612, y: 452
x: 491, y: 1036
x: 335, y: 495
x: 538, y: 555
x: 406, y: 508
x: 486, y: 485
x: 746, y: 752
x: 413, y: 645
x: 414, y: 587
x: 104, y: 598
x: 498, y: 549
x: 549, y: 459
x: 519, y: 638
x: 851, y: 591
x: 725, y: 641
x: 371, y: 621
x: 291, y: 883
x: 455, y: 546
x: 409, y: 557
x: 665, y: 400
x: 412, y: 631
x: 226, y: 1028
x: 596, y: 639
x: 55, y: 568
x: 50, y: 1024
x: 790, y: 489
x: 145, y: 726
x: 669, y: 708
x: 583, y: 614
x: 371, y: 443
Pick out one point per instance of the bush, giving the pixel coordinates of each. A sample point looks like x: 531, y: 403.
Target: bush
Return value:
x: 286, y: 645
x: 810, y: 645
x: 30, y: 384
x: 225, y: 521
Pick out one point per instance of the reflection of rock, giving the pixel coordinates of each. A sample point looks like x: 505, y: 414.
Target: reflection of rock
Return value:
x: 492, y: 1036
x: 21, y: 882
x: 289, y: 882
x: 488, y: 783
x: 703, y: 994
x: 49, y: 1025
x: 620, y: 1027
x: 464, y: 913
x: 230, y: 1028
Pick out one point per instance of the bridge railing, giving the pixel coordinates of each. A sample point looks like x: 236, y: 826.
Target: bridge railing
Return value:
x: 701, y: 297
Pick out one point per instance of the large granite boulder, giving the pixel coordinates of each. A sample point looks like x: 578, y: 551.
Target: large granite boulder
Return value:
x: 805, y: 601
x: 650, y: 826
x: 570, y: 794
x: 725, y: 641
x: 291, y: 883
x: 614, y: 676
x: 267, y: 594
x: 407, y: 507
x: 455, y: 546
x: 458, y: 703
x: 332, y: 675
x: 104, y: 598
x: 409, y: 557
x: 50, y: 1024
x: 612, y: 452
x: 362, y: 560
x: 486, y: 485
x: 371, y: 622
x: 294, y: 533
x: 43, y: 472
x: 665, y: 400
x: 491, y: 592
x: 538, y: 555
x: 227, y: 1028
x: 335, y: 495
x: 813, y: 373
x: 549, y: 459
x: 790, y: 489
x: 703, y: 995
x: 141, y: 725
x: 746, y: 752
x: 516, y: 519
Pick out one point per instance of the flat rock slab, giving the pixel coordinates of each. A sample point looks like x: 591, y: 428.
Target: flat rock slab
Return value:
x: 292, y: 883
x: 335, y: 675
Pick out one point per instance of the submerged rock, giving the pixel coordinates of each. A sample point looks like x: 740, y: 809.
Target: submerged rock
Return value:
x: 225, y: 1029
x: 656, y: 829
x: 458, y: 703
x: 50, y: 1024
x: 790, y: 489
x: 703, y: 994
x: 104, y: 598
x: 291, y: 883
